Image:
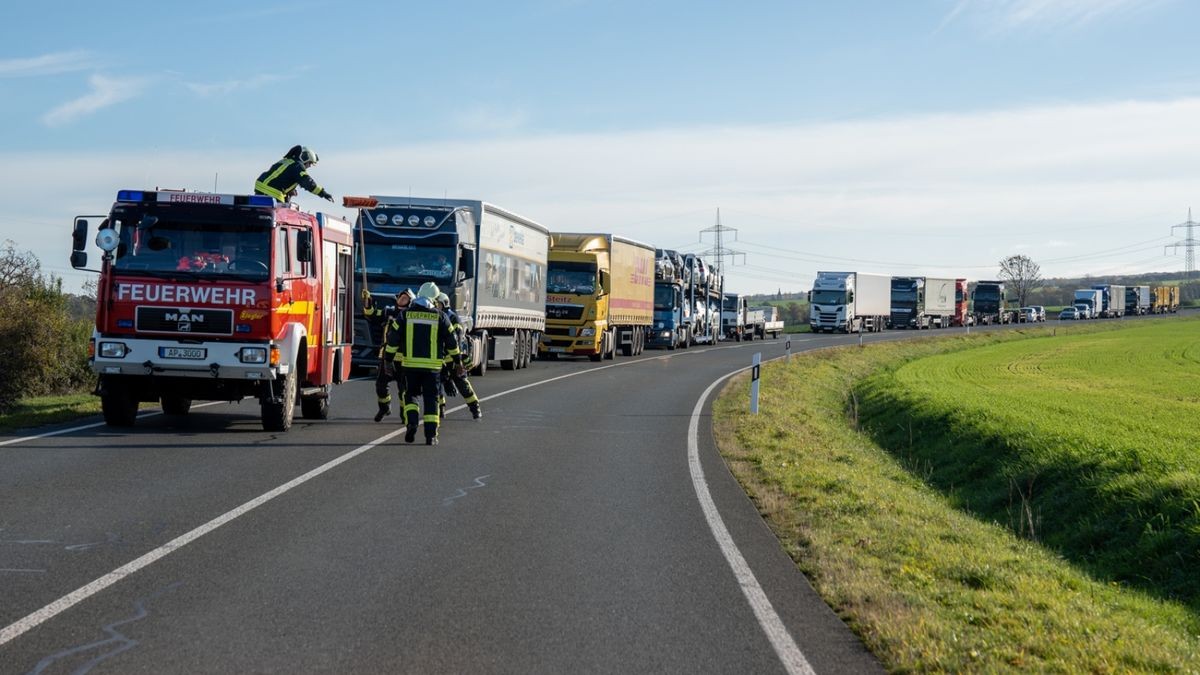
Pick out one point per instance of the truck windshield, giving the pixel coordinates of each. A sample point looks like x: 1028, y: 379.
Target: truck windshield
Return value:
x: 571, y: 277
x: 989, y: 293
x: 829, y: 297
x: 396, y: 262
x: 904, y: 298
x: 665, y: 297
x: 207, y: 249
x: 730, y: 303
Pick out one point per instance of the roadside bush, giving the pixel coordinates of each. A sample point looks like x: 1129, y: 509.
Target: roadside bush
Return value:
x: 42, y: 349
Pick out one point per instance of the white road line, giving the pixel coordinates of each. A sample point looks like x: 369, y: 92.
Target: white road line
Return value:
x: 785, y: 647
x: 22, y: 439
x: 15, y: 630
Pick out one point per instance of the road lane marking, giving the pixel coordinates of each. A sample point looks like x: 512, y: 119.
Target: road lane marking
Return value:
x: 781, y: 640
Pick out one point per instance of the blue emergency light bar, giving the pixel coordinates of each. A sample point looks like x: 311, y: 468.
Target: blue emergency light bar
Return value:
x: 203, y: 198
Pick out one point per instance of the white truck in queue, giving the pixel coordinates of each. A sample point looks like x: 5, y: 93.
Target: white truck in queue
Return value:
x: 850, y: 302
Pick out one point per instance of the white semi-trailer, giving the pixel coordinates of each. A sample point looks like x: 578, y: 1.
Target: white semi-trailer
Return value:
x: 849, y: 302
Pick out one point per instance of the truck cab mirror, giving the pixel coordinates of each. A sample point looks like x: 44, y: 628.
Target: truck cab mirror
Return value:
x: 79, y: 236
x: 147, y: 222
x: 78, y: 259
x: 604, y: 282
x: 466, y: 264
x: 304, y: 246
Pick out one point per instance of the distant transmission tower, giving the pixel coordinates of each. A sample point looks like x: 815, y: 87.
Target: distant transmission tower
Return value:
x: 719, y: 251
x: 1188, y: 244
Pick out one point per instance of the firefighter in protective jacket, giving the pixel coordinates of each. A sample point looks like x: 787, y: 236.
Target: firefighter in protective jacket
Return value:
x: 281, y: 180
x: 450, y: 375
x: 380, y: 318
x: 420, y: 338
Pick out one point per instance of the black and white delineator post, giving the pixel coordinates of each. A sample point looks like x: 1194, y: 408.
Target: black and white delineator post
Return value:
x: 787, y: 348
x: 755, y: 367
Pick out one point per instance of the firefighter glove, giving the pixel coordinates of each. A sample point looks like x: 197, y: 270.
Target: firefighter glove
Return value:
x: 366, y: 297
x: 325, y: 194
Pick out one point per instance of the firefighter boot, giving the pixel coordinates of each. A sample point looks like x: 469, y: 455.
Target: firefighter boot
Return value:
x: 385, y: 409
x: 410, y: 433
x: 476, y: 413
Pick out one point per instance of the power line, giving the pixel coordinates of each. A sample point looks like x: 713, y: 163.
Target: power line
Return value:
x: 1188, y: 244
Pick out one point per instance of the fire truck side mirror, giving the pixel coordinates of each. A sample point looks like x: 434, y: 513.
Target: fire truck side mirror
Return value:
x: 304, y: 246
x: 79, y: 235
x: 78, y: 259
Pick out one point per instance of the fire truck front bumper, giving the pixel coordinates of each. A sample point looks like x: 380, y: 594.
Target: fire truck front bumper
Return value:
x: 223, y: 360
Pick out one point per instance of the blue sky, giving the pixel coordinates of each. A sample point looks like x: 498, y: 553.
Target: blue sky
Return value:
x: 919, y: 137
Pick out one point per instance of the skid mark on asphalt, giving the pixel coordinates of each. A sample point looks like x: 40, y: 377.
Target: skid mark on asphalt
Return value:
x: 116, y: 643
x: 462, y: 492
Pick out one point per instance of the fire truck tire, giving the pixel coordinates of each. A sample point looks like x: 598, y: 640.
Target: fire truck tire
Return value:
x: 176, y: 405
x: 315, y: 408
x: 119, y: 405
x: 278, y: 416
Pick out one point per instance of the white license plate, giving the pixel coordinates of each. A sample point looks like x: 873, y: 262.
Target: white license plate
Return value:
x: 556, y: 349
x: 182, y: 352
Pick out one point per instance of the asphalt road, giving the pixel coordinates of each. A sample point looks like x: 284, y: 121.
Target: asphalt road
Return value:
x: 575, y: 528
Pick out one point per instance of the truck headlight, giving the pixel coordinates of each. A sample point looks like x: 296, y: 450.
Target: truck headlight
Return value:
x: 253, y: 355
x: 587, y: 332
x: 113, y: 350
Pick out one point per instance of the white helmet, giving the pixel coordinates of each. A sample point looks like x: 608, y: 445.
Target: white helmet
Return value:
x: 307, y: 157
x: 443, y: 299
x: 429, y: 290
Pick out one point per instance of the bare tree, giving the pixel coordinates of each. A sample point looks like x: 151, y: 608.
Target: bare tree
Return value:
x: 1022, y: 274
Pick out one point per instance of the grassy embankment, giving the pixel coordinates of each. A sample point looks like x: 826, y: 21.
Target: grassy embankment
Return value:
x: 959, y: 504
x: 41, y: 410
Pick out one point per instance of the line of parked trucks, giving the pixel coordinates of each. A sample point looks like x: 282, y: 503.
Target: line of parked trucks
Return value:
x: 208, y: 296
x: 858, y: 302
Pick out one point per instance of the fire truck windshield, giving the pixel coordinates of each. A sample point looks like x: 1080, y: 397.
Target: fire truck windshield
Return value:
x: 162, y: 246
x: 408, y: 262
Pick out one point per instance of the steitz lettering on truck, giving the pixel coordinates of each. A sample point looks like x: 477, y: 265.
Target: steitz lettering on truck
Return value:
x: 219, y: 297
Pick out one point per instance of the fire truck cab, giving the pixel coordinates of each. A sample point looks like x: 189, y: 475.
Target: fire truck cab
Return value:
x: 218, y: 297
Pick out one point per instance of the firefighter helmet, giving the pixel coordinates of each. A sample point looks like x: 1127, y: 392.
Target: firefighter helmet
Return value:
x: 423, y: 303
x: 429, y: 291
x: 443, y: 299
x: 307, y: 157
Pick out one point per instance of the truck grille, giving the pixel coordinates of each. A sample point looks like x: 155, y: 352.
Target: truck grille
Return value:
x: 198, y: 321
x: 564, y: 312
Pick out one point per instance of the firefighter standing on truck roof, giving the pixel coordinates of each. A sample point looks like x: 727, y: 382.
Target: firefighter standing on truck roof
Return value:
x: 388, y: 370
x: 450, y: 375
x: 419, y: 339
x: 280, y: 181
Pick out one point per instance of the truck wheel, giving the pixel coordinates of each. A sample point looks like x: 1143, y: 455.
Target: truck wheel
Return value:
x: 314, y: 407
x: 277, y: 416
x: 176, y: 405
x: 119, y: 405
x: 610, y: 352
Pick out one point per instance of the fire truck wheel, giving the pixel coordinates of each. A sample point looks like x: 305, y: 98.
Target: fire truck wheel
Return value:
x: 277, y: 416
x: 119, y: 405
x: 314, y: 408
x: 176, y: 405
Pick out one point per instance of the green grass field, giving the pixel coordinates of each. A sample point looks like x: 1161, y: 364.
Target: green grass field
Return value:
x: 903, y: 550
x: 1086, y: 443
x: 49, y: 410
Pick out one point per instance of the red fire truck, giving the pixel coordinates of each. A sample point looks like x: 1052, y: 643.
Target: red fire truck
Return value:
x: 219, y: 297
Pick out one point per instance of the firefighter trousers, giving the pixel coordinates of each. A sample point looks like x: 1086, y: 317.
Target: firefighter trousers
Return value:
x: 383, y: 381
x: 423, y: 383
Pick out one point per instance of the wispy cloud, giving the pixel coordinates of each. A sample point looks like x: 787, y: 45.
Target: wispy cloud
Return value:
x: 230, y: 86
x: 1042, y: 14
x: 47, y: 64
x: 491, y: 119
x: 105, y: 91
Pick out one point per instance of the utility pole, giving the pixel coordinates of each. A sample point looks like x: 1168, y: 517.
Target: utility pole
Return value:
x: 1188, y: 244
x: 719, y: 251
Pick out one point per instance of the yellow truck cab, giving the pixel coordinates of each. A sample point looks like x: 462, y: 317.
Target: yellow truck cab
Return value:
x: 599, y: 296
